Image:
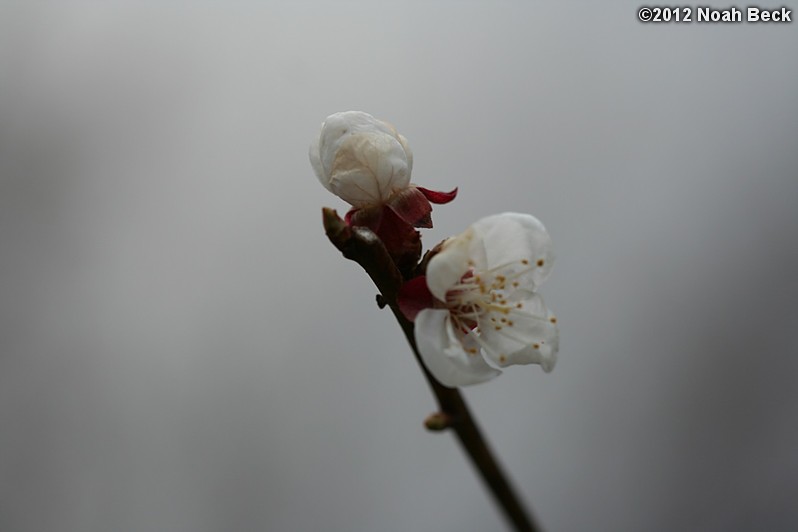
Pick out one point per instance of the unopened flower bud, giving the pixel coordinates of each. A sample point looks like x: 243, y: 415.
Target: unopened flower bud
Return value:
x: 365, y: 162
x: 362, y: 160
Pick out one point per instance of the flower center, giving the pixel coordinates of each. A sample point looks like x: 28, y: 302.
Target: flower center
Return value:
x: 481, y: 294
x: 487, y: 299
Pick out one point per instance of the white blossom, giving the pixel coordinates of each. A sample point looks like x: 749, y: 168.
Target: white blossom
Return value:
x: 486, y: 312
x: 361, y: 159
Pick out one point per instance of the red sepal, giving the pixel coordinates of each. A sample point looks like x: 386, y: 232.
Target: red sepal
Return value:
x: 411, y: 206
x: 414, y: 296
x: 439, y: 198
x: 394, y: 222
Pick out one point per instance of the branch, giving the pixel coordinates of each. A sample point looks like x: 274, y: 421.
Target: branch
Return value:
x: 364, y: 247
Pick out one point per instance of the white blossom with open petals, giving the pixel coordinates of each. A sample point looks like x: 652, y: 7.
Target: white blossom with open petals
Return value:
x: 361, y: 159
x: 487, y: 313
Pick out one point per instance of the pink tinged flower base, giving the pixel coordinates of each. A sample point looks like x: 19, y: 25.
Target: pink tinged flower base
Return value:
x: 395, y: 221
x: 411, y: 206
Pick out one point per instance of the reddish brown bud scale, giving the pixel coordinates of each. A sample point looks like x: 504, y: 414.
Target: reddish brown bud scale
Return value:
x: 395, y: 222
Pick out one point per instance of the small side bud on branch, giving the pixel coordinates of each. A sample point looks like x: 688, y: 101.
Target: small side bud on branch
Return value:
x: 438, y: 422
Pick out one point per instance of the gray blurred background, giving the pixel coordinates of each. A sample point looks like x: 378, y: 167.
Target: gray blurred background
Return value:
x: 182, y: 349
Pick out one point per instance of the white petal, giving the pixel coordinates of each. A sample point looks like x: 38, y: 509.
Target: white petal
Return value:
x: 315, y: 162
x: 528, y: 335
x: 368, y: 169
x: 408, y: 152
x: 450, y: 264
x: 336, y: 128
x: 444, y: 353
x: 511, y: 237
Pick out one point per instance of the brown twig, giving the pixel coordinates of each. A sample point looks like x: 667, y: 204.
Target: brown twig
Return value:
x: 362, y: 246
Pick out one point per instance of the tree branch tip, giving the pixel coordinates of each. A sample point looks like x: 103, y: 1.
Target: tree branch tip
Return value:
x: 334, y: 226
